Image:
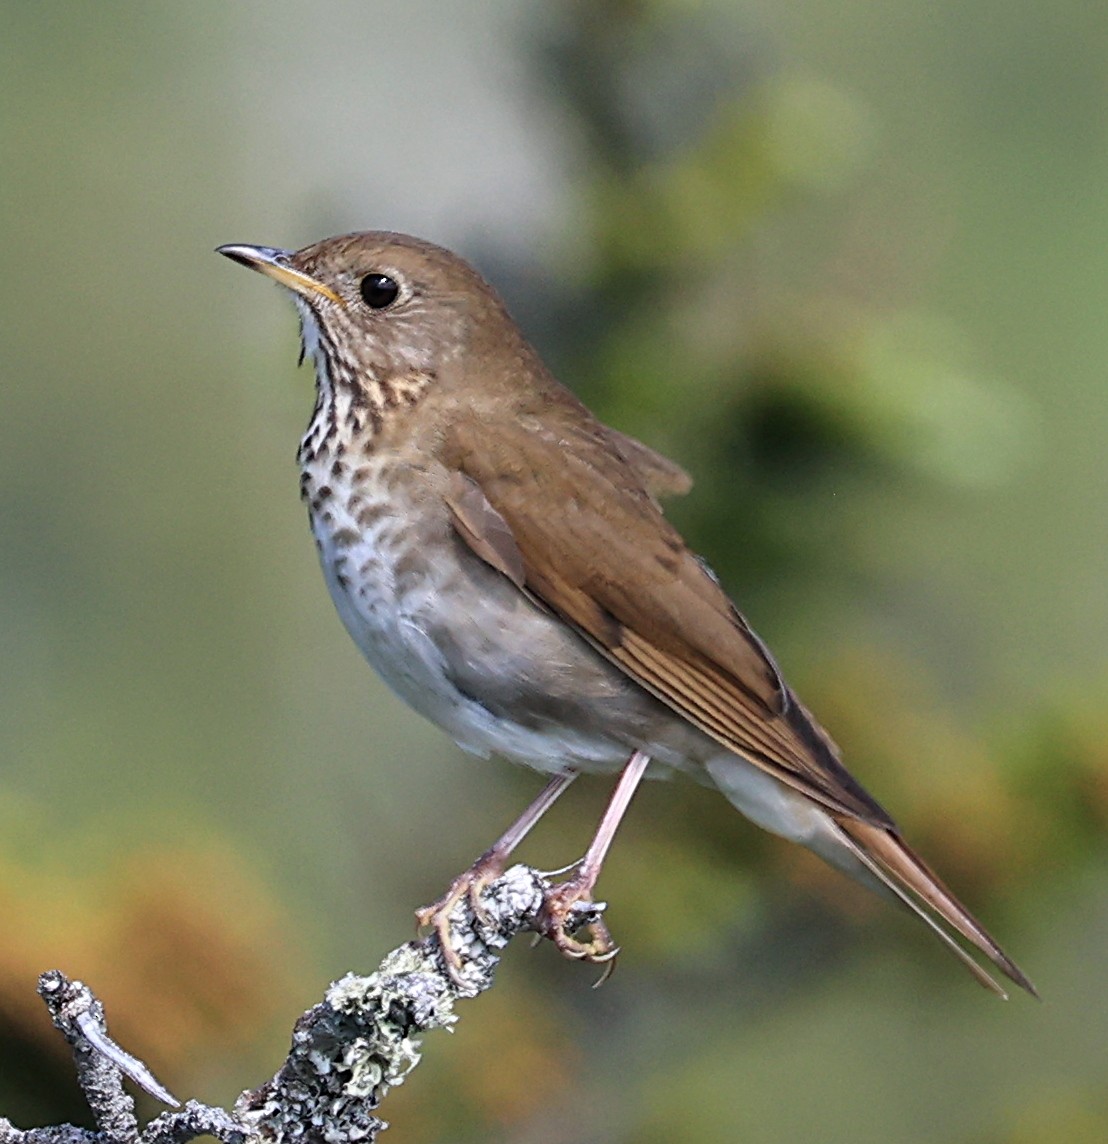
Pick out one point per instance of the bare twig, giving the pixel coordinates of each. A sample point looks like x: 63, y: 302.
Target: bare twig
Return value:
x: 347, y: 1051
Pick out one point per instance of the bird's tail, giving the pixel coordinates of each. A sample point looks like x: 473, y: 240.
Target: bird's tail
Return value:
x: 889, y: 859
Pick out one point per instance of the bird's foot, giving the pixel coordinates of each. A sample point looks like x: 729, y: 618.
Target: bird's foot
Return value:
x: 468, y: 887
x: 569, y: 909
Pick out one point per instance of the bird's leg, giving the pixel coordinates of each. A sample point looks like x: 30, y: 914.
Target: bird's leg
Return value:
x: 486, y: 869
x: 564, y: 900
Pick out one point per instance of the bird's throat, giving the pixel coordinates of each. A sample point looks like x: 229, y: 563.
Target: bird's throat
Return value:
x: 355, y: 402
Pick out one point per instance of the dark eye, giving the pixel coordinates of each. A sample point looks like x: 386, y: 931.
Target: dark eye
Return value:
x: 378, y: 290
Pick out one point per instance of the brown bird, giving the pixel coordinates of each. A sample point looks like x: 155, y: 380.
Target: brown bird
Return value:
x: 501, y: 559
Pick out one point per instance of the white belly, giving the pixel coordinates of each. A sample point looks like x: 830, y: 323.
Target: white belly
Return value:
x: 391, y: 611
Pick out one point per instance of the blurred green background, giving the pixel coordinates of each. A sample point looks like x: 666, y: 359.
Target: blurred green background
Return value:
x: 848, y: 263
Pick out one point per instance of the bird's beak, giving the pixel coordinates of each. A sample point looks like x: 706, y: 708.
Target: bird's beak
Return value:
x: 275, y: 264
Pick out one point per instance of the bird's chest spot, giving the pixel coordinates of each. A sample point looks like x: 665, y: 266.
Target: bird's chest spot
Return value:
x: 379, y: 567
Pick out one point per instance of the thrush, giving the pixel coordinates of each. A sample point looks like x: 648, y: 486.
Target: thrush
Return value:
x: 501, y: 559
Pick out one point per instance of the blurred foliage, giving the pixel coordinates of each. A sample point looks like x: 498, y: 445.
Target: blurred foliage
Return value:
x: 183, y: 943
x: 1057, y: 1116
x: 824, y: 412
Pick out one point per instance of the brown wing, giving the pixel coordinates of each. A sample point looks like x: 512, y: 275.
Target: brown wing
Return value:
x: 596, y: 550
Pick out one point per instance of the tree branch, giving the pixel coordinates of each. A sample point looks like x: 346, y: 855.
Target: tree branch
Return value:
x: 347, y: 1051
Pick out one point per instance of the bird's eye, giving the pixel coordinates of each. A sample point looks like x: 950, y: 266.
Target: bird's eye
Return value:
x: 378, y: 290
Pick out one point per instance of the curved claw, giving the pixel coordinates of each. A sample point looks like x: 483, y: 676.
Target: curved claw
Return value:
x: 599, y: 950
x: 609, y: 969
x: 562, y: 906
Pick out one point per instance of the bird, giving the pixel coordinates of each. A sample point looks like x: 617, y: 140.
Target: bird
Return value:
x: 502, y: 560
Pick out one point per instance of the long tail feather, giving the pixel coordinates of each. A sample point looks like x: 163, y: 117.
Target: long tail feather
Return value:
x: 889, y: 858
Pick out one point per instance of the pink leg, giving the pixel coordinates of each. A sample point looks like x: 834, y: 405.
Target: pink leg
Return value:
x: 518, y: 831
x: 562, y: 901
x: 487, y: 868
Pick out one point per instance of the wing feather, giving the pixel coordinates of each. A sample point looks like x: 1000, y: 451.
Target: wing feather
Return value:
x: 608, y: 562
